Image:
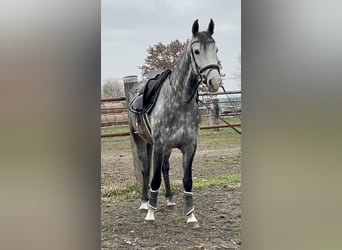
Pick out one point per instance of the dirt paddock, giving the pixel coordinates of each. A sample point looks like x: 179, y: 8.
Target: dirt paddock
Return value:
x: 217, y: 202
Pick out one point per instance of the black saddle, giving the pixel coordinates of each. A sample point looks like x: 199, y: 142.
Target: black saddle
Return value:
x: 144, y: 102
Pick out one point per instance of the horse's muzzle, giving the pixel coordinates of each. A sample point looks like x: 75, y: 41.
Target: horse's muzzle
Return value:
x: 214, y: 84
x: 212, y: 78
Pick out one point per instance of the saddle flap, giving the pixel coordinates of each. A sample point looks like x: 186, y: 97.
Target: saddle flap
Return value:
x: 136, y: 105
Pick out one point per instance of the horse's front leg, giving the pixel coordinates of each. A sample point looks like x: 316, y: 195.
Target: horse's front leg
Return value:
x: 188, y: 156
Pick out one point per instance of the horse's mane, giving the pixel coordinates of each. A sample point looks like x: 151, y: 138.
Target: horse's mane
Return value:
x: 182, y: 66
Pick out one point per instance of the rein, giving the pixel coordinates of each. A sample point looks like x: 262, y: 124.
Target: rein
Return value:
x: 230, y: 125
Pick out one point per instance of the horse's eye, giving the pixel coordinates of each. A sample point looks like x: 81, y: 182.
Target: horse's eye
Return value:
x: 197, y: 52
x: 216, y: 50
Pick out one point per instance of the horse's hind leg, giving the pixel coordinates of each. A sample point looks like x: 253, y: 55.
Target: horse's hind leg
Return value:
x: 146, y: 176
x: 168, y: 192
x: 144, y: 151
x: 146, y: 166
x: 158, y: 159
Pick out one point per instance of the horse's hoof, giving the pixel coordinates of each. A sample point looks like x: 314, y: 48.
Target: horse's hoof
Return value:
x: 143, y: 206
x: 194, y: 225
x: 191, y: 219
x: 150, y: 215
x: 170, y: 204
x: 150, y: 222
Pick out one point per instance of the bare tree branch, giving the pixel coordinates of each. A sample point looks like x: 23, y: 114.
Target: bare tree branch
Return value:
x: 112, y: 88
x: 162, y: 57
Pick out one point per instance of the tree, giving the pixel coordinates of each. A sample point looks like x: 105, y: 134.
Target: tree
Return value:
x: 162, y: 57
x: 112, y: 88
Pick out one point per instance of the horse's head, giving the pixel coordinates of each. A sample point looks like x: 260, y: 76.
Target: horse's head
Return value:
x: 204, y: 60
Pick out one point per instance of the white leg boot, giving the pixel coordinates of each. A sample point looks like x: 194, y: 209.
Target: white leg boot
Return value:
x: 189, y: 210
x: 152, y: 206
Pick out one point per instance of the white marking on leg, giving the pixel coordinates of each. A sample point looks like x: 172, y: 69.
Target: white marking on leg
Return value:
x: 191, y: 218
x: 150, y: 214
x: 143, y: 205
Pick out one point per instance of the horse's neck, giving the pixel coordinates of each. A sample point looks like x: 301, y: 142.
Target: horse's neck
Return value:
x: 183, y: 81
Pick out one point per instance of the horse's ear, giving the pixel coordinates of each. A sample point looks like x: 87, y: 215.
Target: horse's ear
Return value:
x: 195, y: 28
x: 211, y: 27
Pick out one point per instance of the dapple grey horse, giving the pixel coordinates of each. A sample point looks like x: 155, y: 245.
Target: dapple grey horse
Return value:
x: 174, y: 120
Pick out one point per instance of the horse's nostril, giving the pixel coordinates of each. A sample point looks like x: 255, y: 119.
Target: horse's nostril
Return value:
x: 214, y: 84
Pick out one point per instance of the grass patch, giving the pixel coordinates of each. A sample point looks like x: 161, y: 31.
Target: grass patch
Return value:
x: 217, y: 160
x: 121, y: 192
x: 229, y: 180
x: 228, y: 160
x: 205, y: 121
x: 224, y: 138
x: 121, y: 140
x: 104, y: 244
x: 115, y: 144
x: 236, y: 230
x: 182, y: 218
x: 115, y: 129
x: 132, y: 191
x: 104, y: 229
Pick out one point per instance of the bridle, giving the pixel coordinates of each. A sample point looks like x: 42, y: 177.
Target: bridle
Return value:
x: 199, y: 71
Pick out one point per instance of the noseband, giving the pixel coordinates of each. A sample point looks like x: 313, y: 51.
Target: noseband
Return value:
x: 199, y: 70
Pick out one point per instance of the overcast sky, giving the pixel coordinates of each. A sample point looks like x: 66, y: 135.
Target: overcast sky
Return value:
x: 130, y: 26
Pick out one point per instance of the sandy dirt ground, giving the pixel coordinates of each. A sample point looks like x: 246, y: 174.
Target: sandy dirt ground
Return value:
x: 217, y: 207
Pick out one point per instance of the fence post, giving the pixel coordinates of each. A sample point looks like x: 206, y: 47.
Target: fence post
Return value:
x: 209, y: 113
x: 216, y: 112
x: 129, y: 82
